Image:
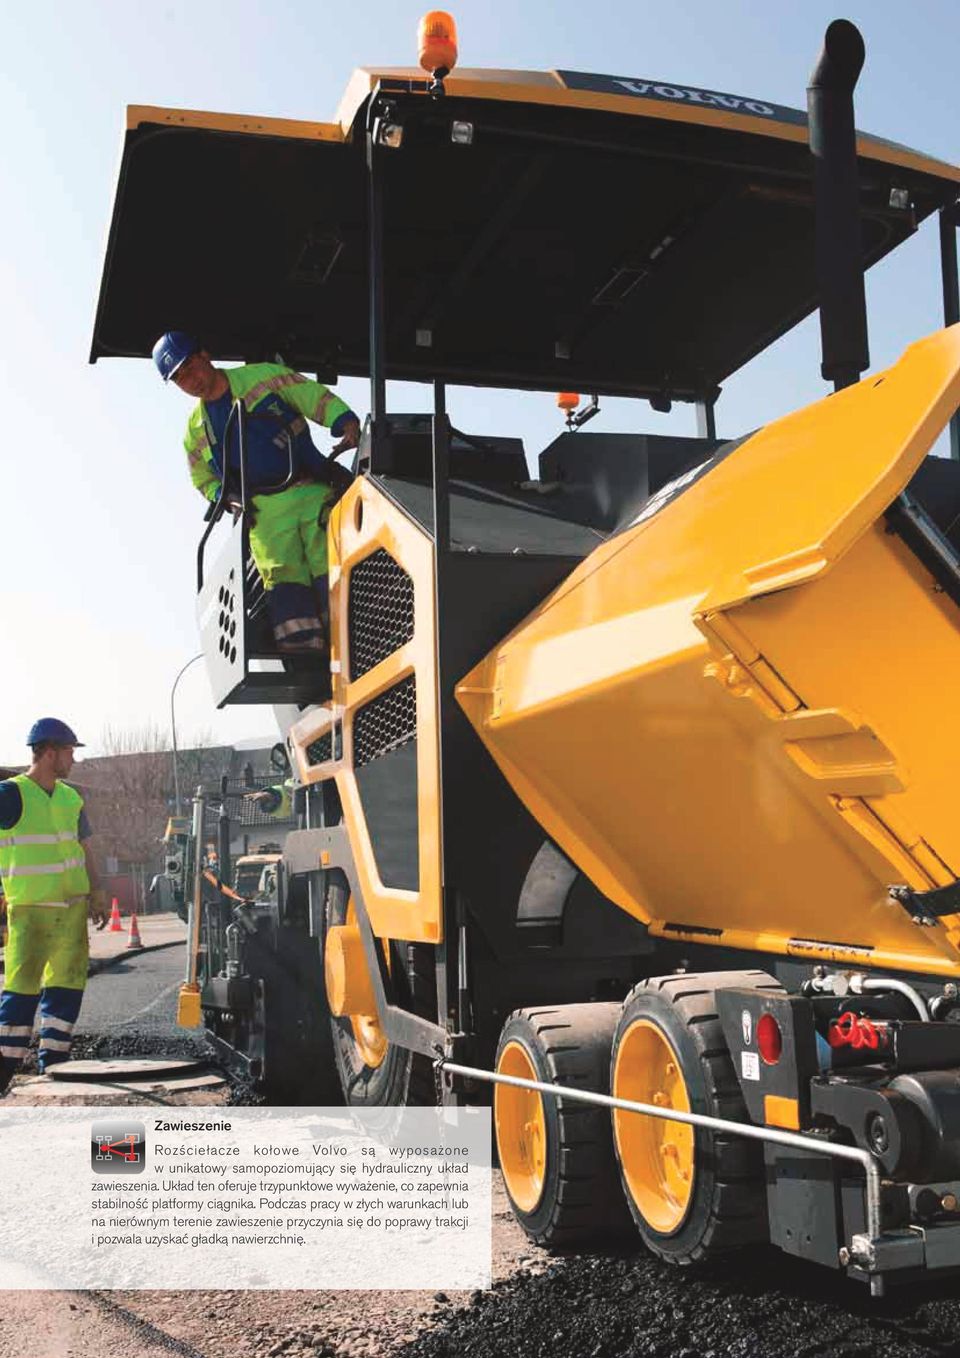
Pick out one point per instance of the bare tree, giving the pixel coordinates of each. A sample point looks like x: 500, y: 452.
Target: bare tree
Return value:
x: 129, y: 789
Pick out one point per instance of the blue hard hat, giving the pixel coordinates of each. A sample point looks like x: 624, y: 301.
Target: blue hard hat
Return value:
x: 172, y: 350
x: 51, y: 728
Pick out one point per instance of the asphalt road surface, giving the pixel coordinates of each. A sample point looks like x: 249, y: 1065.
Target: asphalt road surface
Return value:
x: 137, y: 992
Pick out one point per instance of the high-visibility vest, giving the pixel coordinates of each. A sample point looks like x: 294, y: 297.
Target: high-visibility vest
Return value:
x: 284, y: 807
x: 41, y: 859
x: 256, y: 383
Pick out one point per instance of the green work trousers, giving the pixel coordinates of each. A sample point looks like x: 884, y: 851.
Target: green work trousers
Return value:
x: 287, y: 538
x: 46, y: 947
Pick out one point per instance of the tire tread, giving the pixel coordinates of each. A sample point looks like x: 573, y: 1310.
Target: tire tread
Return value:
x: 737, y: 1213
x: 588, y: 1203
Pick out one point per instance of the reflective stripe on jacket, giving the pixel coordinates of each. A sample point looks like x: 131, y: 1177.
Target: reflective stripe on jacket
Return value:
x: 41, y: 859
x: 254, y: 383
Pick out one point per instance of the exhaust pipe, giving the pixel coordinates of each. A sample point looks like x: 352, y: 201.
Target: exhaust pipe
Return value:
x: 839, y: 242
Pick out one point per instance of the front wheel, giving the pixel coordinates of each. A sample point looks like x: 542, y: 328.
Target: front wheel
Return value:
x: 556, y: 1154
x: 290, y: 1024
x: 373, y: 1071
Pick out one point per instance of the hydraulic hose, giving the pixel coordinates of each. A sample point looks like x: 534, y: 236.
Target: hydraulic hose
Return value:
x: 887, y: 984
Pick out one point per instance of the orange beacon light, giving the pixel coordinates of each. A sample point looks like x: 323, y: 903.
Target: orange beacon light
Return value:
x: 437, y: 41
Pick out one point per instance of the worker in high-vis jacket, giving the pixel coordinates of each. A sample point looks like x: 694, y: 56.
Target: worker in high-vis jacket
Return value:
x: 287, y: 509
x: 50, y: 881
x: 276, y: 801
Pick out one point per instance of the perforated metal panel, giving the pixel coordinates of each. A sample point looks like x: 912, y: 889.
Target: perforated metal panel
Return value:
x: 320, y: 750
x: 220, y: 612
x: 244, y: 813
x: 385, y: 723
x: 379, y: 611
x: 235, y: 631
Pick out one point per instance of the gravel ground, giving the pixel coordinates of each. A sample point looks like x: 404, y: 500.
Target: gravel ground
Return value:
x: 101, y: 1047
x: 370, y: 1324
x: 74, y: 1326
x: 756, y: 1304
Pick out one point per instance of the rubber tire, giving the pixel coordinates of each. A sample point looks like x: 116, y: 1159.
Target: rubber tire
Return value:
x: 404, y: 1079
x: 298, y: 1065
x: 582, y: 1200
x: 728, y: 1206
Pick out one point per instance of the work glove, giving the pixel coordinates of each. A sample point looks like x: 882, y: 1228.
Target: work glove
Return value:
x: 236, y: 509
x: 97, y: 908
x: 350, y: 439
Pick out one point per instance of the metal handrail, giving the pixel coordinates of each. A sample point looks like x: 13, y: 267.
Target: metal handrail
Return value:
x: 239, y: 415
x: 213, y: 516
x: 864, y: 1159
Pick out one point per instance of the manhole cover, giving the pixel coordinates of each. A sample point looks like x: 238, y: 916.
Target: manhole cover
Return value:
x: 37, y: 1088
x: 122, y: 1068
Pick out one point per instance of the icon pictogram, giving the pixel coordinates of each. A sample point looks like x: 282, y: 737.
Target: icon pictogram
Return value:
x: 117, y: 1148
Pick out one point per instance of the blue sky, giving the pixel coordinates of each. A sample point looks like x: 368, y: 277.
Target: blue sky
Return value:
x: 99, y: 519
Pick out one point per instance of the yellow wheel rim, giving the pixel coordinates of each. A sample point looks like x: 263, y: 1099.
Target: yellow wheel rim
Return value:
x: 368, y: 1035
x: 349, y: 990
x: 521, y: 1130
x: 657, y: 1156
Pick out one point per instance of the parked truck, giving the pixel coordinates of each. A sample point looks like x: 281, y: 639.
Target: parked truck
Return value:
x: 633, y: 805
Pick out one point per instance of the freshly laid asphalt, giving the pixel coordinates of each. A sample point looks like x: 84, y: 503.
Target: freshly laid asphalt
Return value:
x: 754, y: 1304
x: 135, y: 992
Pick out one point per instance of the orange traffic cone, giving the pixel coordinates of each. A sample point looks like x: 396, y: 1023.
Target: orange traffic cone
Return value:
x: 115, y: 927
x: 134, y: 940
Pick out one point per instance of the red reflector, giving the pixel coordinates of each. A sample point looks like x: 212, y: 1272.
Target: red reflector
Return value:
x: 769, y: 1039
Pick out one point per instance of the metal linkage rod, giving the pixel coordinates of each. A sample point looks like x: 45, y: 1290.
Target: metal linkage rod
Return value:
x: 706, y: 419
x: 195, y: 910
x: 441, y: 556
x: 864, y: 1159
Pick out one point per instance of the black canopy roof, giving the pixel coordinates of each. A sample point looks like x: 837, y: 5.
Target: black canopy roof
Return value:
x: 571, y: 246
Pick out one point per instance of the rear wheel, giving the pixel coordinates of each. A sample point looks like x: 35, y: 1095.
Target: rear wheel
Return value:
x: 373, y: 1071
x: 556, y: 1154
x: 692, y: 1192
